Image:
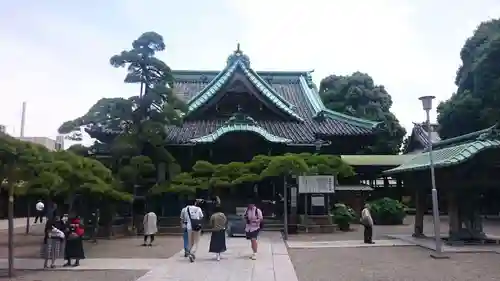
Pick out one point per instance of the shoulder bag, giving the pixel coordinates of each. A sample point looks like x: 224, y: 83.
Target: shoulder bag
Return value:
x: 195, y: 223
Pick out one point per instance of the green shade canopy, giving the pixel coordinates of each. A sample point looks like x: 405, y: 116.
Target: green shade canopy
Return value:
x: 377, y: 160
x: 445, y: 157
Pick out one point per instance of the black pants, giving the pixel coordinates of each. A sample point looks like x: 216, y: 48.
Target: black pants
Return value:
x: 151, y: 238
x: 39, y: 217
x: 368, y: 233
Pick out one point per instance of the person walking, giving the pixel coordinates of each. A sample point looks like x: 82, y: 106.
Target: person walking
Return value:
x: 218, y: 221
x: 367, y: 222
x: 52, y: 244
x: 185, y: 237
x: 40, y: 208
x: 254, y: 218
x: 74, y: 243
x: 150, y: 228
x: 193, y: 226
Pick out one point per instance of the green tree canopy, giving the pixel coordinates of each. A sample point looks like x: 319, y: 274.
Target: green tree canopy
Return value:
x: 28, y: 168
x: 476, y: 103
x: 357, y: 95
x: 206, y: 175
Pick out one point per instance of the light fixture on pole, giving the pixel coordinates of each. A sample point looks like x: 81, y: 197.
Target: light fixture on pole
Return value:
x: 427, y: 106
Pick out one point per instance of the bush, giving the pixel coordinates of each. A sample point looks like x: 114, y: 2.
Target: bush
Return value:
x: 343, y: 216
x: 387, y: 211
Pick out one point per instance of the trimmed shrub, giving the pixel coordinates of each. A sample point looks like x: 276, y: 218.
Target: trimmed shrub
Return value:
x: 387, y: 211
x: 343, y: 216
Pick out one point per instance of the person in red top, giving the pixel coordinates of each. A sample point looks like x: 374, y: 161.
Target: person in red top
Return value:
x: 74, y: 243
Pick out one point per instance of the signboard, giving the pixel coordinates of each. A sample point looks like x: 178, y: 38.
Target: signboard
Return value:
x: 293, y: 197
x: 318, y: 200
x: 316, y: 184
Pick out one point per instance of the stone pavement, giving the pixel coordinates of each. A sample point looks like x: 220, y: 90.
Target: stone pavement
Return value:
x: 18, y: 222
x: 345, y: 244
x: 89, y: 264
x: 272, y: 264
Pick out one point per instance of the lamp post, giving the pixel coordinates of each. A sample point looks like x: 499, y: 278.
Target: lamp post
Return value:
x: 427, y: 106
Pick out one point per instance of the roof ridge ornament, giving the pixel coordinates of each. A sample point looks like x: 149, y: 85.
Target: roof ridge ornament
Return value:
x: 239, y: 118
x: 493, y: 133
x: 238, y: 55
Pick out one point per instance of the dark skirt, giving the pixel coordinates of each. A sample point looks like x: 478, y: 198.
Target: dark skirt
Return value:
x: 74, y: 249
x: 218, y: 242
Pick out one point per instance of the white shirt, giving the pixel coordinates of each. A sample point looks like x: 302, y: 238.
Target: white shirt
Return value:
x: 39, y: 206
x: 195, y: 212
x: 365, y: 215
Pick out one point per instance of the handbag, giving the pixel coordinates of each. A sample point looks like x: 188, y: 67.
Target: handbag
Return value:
x: 195, y: 223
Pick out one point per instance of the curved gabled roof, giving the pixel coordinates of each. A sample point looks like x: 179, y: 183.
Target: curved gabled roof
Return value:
x: 240, y: 62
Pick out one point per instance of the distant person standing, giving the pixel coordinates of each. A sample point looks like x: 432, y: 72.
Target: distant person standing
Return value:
x: 150, y: 228
x: 254, y: 218
x: 40, y: 208
x: 367, y: 222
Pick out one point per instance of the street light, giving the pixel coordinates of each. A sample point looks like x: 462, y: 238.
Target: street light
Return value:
x: 427, y: 106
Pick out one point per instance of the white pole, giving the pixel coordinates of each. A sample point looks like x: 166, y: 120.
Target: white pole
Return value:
x: 435, y: 202
x: 23, y: 119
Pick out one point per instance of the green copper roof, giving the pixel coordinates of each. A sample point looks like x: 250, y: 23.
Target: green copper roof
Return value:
x: 447, y: 156
x: 376, y: 160
x: 238, y: 60
x: 320, y: 111
x: 228, y: 128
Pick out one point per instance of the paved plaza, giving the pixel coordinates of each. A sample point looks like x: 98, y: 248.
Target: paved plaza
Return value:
x: 272, y: 264
x: 310, y: 257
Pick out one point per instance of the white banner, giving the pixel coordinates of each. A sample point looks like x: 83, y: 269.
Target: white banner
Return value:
x: 316, y: 184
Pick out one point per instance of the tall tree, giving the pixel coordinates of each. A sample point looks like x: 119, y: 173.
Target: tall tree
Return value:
x: 476, y: 103
x: 357, y: 95
x: 133, y: 129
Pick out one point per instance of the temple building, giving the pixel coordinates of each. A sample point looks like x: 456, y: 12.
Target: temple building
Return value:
x: 237, y: 113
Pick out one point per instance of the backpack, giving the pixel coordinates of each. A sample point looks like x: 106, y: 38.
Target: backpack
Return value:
x: 261, y: 224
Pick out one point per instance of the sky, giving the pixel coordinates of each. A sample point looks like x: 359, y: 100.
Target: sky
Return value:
x: 56, y: 52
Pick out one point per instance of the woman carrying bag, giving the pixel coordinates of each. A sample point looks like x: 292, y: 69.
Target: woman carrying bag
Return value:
x: 52, y: 244
x: 218, y: 221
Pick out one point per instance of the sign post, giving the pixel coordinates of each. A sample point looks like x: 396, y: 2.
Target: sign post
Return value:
x: 315, y: 185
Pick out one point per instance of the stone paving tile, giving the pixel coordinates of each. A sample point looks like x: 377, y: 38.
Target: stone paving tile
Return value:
x: 163, y: 247
x: 381, y: 231
x: 235, y: 264
x: 96, y: 275
x: 18, y: 223
x: 391, y: 264
x: 345, y: 244
x: 430, y: 244
x: 89, y: 264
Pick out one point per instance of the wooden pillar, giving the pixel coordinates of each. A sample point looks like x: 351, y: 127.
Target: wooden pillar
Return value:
x: 453, y: 215
x: 420, y: 211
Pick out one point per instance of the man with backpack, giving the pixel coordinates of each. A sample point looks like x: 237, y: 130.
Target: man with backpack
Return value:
x: 254, y: 219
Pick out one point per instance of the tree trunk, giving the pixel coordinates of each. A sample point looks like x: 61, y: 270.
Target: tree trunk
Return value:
x: 28, y: 217
x: 10, y: 211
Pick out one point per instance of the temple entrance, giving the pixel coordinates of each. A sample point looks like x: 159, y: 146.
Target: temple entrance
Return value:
x: 240, y: 147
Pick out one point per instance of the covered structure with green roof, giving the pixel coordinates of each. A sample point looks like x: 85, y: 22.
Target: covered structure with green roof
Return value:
x: 467, y: 170
x: 237, y: 113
